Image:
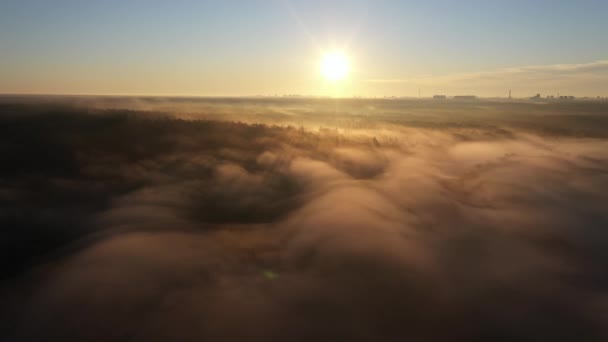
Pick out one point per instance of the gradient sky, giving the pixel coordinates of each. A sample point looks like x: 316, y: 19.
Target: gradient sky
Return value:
x: 231, y: 48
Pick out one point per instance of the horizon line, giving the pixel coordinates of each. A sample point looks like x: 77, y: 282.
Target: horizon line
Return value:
x: 287, y: 96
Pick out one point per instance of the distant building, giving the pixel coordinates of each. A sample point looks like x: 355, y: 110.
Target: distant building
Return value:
x: 566, y: 97
x: 535, y: 97
x: 465, y: 97
x: 439, y: 97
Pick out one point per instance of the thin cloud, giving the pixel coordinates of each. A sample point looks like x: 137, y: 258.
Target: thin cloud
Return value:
x: 589, y: 78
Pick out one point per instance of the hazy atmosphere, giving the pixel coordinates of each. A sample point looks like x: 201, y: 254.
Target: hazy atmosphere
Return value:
x: 268, y: 47
x: 303, y: 171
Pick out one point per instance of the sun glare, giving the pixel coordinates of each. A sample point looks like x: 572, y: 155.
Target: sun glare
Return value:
x: 334, y: 66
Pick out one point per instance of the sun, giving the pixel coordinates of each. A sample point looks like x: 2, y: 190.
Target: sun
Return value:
x: 334, y: 66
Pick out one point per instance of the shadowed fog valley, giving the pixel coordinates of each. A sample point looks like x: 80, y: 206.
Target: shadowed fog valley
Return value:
x: 154, y: 219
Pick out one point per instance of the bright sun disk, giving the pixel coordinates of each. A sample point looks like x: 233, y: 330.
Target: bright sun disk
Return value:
x: 334, y: 66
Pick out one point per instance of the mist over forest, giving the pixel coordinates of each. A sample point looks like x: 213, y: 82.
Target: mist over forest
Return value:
x: 150, y: 219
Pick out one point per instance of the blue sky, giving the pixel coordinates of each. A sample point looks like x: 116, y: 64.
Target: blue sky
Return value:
x: 274, y: 46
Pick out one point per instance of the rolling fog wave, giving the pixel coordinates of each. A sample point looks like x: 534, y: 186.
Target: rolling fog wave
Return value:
x: 123, y: 225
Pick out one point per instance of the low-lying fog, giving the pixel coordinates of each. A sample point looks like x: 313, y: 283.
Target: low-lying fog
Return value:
x: 295, y: 219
